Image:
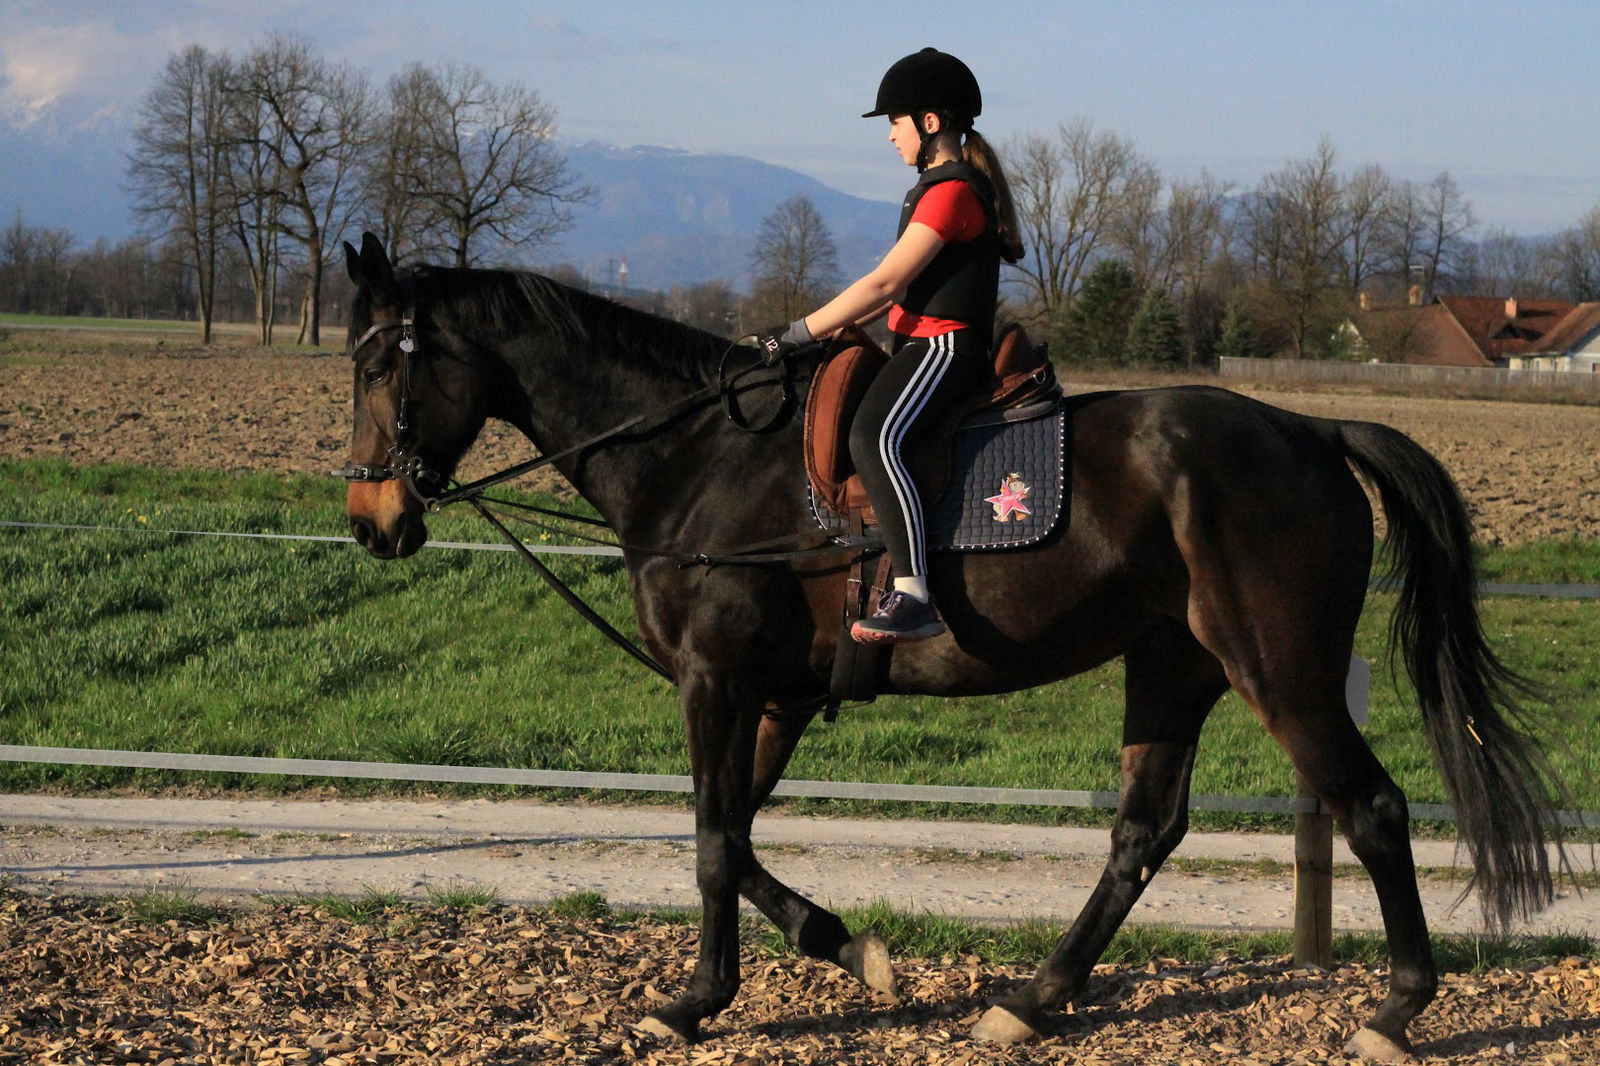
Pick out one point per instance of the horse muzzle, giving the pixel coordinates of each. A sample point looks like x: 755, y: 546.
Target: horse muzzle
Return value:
x: 385, y: 518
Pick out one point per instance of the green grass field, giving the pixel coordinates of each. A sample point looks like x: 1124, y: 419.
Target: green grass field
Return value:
x: 154, y: 641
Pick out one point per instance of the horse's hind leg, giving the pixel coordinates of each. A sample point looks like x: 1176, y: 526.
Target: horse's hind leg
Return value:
x: 1336, y: 762
x: 1172, y: 684
x: 813, y: 930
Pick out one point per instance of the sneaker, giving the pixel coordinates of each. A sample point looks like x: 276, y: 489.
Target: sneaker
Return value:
x: 899, y: 618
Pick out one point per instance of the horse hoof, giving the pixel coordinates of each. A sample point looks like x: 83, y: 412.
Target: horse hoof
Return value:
x: 1000, y: 1026
x: 874, y: 968
x: 655, y: 1029
x: 1370, y: 1044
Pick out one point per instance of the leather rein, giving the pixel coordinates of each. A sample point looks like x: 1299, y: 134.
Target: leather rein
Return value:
x: 408, y: 468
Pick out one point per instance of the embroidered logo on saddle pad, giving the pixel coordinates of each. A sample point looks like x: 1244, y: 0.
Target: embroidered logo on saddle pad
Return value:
x: 1022, y: 451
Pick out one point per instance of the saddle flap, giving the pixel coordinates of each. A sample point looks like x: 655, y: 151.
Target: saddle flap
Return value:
x: 836, y: 391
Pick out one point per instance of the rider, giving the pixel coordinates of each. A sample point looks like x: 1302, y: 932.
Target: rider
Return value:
x: 938, y: 284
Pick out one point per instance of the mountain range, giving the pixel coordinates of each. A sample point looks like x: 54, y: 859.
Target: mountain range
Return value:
x: 672, y: 216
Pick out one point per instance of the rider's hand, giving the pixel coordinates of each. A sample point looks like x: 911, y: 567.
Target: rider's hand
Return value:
x: 777, y: 342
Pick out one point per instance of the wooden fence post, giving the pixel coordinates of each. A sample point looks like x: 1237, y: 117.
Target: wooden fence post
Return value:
x: 1313, y: 847
x: 1313, y: 886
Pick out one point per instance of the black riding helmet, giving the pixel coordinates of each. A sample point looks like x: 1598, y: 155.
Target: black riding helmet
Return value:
x: 930, y: 80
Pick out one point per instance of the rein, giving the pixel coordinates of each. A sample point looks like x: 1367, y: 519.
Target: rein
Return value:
x: 410, y: 470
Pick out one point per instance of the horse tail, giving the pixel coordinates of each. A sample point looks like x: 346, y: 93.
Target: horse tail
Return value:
x: 1477, y: 711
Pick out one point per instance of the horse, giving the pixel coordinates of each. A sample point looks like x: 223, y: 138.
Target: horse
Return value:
x: 1212, y: 541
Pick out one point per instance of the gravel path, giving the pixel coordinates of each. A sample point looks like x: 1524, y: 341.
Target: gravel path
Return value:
x: 531, y: 852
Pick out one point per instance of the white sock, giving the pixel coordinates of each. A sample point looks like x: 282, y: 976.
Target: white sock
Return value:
x: 915, y: 587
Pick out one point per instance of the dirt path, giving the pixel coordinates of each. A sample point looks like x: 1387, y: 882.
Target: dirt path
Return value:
x: 638, y: 857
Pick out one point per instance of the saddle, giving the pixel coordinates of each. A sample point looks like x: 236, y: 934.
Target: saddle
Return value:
x: 1022, y: 376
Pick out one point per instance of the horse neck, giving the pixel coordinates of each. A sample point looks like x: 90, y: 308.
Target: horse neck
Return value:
x: 568, y: 397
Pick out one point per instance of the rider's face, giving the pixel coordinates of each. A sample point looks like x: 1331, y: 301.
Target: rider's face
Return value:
x: 905, y: 138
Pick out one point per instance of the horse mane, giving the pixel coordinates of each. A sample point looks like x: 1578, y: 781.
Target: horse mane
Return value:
x: 509, y: 301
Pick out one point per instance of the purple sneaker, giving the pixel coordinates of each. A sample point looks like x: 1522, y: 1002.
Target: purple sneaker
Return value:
x: 899, y: 618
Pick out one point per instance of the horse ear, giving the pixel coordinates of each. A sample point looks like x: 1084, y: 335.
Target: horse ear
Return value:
x: 370, y: 267
x: 352, y: 263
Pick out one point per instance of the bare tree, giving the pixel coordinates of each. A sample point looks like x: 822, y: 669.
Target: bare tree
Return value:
x: 1072, y: 192
x: 795, y: 260
x: 1366, y: 193
x: 253, y: 163
x: 1503, y: 263
x: 175, y: 168
x: 320, y: 117
x: 1577, y: 258
x: 1447, y: 220
x: 1293, y: 231
x: 1402, y: 227
x: 475, y: 160
x: 395, y: 168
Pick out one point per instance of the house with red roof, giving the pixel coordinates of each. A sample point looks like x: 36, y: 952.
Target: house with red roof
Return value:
x: 1481, y: 331
x: 1573, y: 345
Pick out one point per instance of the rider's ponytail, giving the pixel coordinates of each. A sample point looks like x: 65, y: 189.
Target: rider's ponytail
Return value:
x: 976, y: 151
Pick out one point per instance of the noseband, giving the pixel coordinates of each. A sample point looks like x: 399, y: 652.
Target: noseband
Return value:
x: 402, y: 466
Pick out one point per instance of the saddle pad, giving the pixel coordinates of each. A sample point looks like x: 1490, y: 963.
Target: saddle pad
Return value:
x: 1007, y: 485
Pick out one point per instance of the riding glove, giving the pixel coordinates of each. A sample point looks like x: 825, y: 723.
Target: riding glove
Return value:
x: 776, y: 342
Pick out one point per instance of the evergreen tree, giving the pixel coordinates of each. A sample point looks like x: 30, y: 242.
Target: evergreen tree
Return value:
x: 1238, y: 340
x: 1095, y: 327
x: 1154, y: 337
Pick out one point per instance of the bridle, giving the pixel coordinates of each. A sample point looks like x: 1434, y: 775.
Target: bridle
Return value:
x: 402, y: 465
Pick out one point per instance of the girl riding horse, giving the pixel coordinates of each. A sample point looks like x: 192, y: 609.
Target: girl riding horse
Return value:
x: 938, y: 285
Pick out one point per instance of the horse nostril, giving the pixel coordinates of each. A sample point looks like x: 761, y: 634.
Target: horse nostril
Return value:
x: 364, y: 530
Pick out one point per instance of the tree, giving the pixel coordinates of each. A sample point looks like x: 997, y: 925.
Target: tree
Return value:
x: 471, y: 160
x: 1447, y: 218
x: 175, y: 169
x: 1095, y: 328
x: 711, y: 306
x: 795, y: 261
x: 1577, y: 258
x: 319, y: 125
x: 1072, y: 192
x: 252, y: 174
x: 1365, y: 195
x: 1294, y: 233
x: 1154, y: 338
x: 1238, y: 340
x: 1503, y: 263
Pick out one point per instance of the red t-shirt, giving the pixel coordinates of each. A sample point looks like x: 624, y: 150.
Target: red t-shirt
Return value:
x: 953, y: 211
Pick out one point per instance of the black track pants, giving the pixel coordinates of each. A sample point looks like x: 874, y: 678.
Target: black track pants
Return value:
x: 923, y: 379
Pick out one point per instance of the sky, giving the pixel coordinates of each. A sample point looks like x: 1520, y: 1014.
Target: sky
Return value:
x: 1501, y: 95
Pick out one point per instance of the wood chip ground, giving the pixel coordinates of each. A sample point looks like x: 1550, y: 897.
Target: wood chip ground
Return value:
x: 81, y: 983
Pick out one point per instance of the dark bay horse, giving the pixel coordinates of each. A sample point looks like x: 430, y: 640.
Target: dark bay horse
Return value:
x: 1213, y: 541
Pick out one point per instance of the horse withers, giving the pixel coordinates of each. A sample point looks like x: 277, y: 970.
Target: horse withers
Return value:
x: 1212, y: 542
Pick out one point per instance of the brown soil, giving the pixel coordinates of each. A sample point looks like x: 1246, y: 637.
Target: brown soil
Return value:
x: 1528, y: 471
x: 82, y: 983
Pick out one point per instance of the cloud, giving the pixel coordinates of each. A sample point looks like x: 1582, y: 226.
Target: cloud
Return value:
x: 41, y: 64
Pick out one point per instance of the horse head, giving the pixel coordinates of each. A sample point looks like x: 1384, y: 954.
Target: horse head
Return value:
x: 419, y: 404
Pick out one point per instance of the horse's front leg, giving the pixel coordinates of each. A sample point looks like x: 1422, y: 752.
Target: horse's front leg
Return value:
x: 813, y: 930
x: 722, y: 738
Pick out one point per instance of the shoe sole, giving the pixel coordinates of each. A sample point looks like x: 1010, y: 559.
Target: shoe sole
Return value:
x: 863, y: 635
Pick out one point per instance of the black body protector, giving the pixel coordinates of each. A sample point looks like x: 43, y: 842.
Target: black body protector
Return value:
x: 963, y: 281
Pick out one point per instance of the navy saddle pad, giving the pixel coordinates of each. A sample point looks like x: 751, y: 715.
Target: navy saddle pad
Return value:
x: 1007, y: 483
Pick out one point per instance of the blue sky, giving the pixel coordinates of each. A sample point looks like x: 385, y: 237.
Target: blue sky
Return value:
x: 1501, y: 95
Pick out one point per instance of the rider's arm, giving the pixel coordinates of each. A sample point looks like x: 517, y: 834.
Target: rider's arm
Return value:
x: 872, y: 294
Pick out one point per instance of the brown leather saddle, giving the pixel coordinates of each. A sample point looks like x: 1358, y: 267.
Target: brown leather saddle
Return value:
x: 1022, y: 375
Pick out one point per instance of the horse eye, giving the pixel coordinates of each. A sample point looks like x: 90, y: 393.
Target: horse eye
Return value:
x: 372, y: 375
